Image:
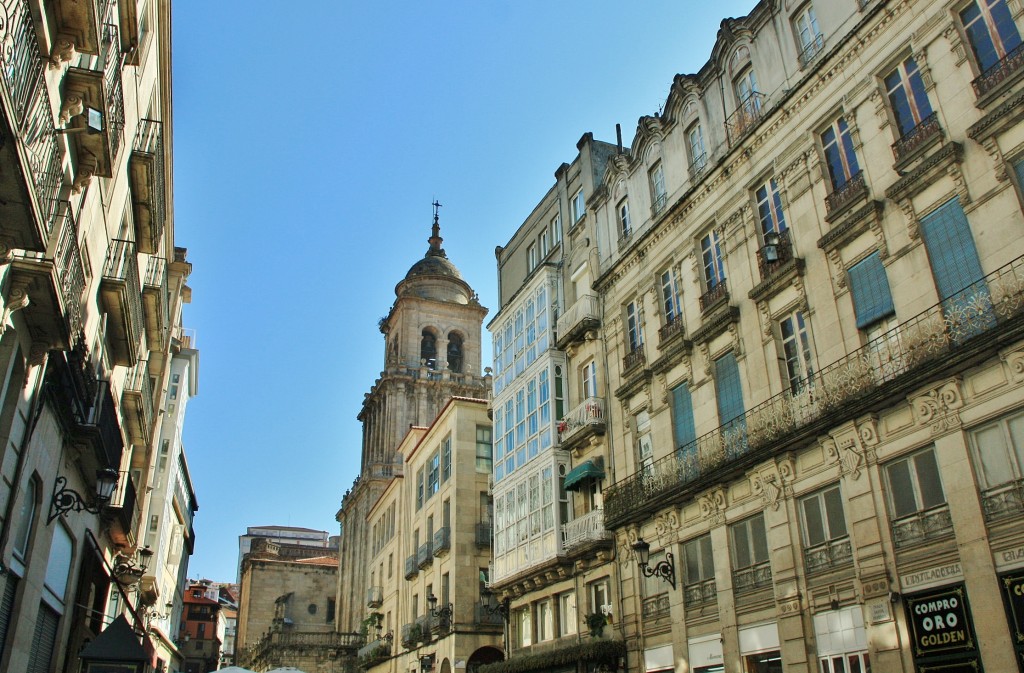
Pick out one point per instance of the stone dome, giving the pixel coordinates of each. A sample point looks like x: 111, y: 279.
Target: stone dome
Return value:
x: 433, y: 265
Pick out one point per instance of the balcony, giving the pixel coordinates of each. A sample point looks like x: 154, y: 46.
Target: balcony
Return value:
x: 828, y: 556
x: 137, y: 404
x: 633, y: 359
x: 716, y: 294
x: 1003, y: 73
x: 442, y: 541
x: 124, y: 512
x: 373, y: 653
x: 103, y: 430
x: 655, y: 607
x: 156, y: 303
x: 146, y: 173
x: 585, y: 421
x: 912, y: 144
x: 483, y: 535
x: 73, y: 26
x: 121, y: 298
x: 411, y: 569
x: 486, y: 613
x: 746, y: 117
x: 754, y: 577
x: 425, y: 555
x: 1003, y: 502
x: 585, y: 530
x: 922, y: 526
x: 71, y: 381
x: 114, y: 121
x: 810, y: 53
x: 374, y: 596
x: 92, y: 147
x: 698, y: 165
x: 941, y: 341
x: 658, y: 207
x: 29, y: 191
x: 700, y: 593
x: 670, y: 330
x: 839, y: 201
x: 49, y: 289
x: 583, y: 316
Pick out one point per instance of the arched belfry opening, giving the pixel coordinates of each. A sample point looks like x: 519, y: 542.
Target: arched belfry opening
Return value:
x: 428, y: 349
x: 455, y: 352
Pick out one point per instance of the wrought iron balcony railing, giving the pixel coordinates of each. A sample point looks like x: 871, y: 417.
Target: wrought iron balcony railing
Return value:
x: 122, y: 299
x: 583, y: 315
x: 125, y: 507
x: 137, y: 399
x: 411, y: 569
x: 68, y: 259
x: 813, y: 49
x: 1007, y: 67
x: 634, y: 358
x: 425, y: 554
x: 486, y: 613
x: 585, y: 419
x: 442, y: 540
x: 1004, y: 501
x: 959, y: 328
x: 672, y: 328
x: 146, y: 171
x: 771, y: 258
x: 849, y: 192
x: 715, y: 294
x: 156, y: 302
x: 745, y: 117
x: 585, y: 529
x: 483, y: 534
x: 660, y: 201
x: 828, y: 555
x: 700, y: 592
x: 753, y: 577
x: 655, y: 606
x: 374, y: 596
x: 922, y: 526
x: 114, y: 120
x: 917, y: 138
x: 698, y: 165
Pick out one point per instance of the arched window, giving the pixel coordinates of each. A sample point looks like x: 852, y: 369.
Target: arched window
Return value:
x: 428, y: 349
x: 455, y: 352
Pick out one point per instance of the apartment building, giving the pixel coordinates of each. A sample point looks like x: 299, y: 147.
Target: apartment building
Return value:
x: 92, y: 285
x: 553, y: 570
x: 430, y: 532
x: 809, y: 272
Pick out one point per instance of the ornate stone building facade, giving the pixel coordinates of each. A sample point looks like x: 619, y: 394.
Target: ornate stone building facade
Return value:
x: 807, y: 278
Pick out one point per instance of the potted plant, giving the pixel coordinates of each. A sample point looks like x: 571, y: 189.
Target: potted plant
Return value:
x: 596, y: 622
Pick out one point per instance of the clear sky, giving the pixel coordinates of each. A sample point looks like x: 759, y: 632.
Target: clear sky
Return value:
x: 309, y: 142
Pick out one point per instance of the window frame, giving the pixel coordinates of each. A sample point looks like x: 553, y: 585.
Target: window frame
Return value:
x: 695, y: 141
x: 844, y: 150
x: 910, y: 83
x: 634, y: 325
x: 579, y: 206
x: 713, y: 265
x: 798, y: 363
x: 752, y: 543
x: 915, y: 484
x: 819, y: 498
x: 704, y: 574
x: 991, y: 29
x: 770, y: 211
x: 671, y: 294
x: 622, y: 214
x: 659, y: 192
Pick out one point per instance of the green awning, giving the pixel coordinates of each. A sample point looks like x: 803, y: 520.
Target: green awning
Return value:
x: 588, y: 469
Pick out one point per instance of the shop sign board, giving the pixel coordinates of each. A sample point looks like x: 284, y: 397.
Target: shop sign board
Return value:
x: 941, y: 629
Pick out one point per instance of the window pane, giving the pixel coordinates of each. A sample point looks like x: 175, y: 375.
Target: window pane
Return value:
x: 707, y: 558
x: 928, y: 480
x: 815, y: 526
x: 995, y: 467
x: 901, y: 489
x: 741, y: 546
x: 834, y: 513
x: 760, y: 538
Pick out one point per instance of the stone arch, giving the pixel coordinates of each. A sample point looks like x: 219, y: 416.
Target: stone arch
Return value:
x: 484, y: 655
x: 428, y: 347
x: 455, y: 354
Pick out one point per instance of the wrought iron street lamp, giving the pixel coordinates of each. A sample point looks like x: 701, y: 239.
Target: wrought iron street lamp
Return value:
x: 444, y: 614
x: 66, y: 500
x: 663, y: 568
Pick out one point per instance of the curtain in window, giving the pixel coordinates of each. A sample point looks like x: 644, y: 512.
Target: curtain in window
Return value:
x: 869, y: 287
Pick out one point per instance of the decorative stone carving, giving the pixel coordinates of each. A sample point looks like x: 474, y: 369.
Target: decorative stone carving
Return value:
x: 7, y: 246
x: 954, y: 171
x: 843, y: 448
x: 991, y: 146
x: 774, y: 481
x: 713, y: 505
x: 913, y: 224
x: 939, y: 407
x: 838, y: 270
x: 82, y: 178
x: 72, y: 106
x: 705, y: 352
x: 766, y: 320
x: 62, y: 52
x: 880, y: 109
x: 956, y: 45
x: 17, y: 299
x: 664, y: 525
x: 1015, y: 361
x: 921, y: 59
x: 734, y: 337
x: 875, y: 225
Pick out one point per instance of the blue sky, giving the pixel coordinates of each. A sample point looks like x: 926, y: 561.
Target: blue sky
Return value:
x: 308, y: 147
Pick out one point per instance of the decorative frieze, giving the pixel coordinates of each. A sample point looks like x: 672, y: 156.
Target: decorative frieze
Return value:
x: 939, y: 407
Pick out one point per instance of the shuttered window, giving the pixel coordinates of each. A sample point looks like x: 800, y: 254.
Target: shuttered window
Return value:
x: 682, y: 416
x: 869, y: 286
x: 44, y: 640
x: 1018, y: 168
x: 7, y: 608
x: 951, y: 251
x: 728, y: 388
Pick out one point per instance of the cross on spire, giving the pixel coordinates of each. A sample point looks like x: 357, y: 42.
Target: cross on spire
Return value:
x: 435, y: 239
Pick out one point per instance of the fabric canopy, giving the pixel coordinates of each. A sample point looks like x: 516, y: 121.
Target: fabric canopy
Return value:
x: 588, y: 469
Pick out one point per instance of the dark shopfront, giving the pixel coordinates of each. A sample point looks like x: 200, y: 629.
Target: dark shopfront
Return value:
x: 1012, y: 588
x: 942, y: 632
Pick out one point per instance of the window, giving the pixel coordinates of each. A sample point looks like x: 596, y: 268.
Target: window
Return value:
x: 869, y: 288
x: 588, y: 380
x: 914, y: 484
x: 990, y: 31
x: 44, y: 640
x: 545, y: 621
x: 698, y: 560
x: 544, y: 240
x: 808, y: 36
x: 446, y: 458
x: 671, y: 297
x: 524, y: 626
x: 567, y: 617
x: 483, y: 449
x: 579, y: 208
x: 433, y: 474
x: 624, y: 227
x: 428, y: 349
x: 644, y: 445
x: 823, y: 517
x: 839, y: 155
x: 907, y: 98
x: 58, y: 566
x: 728, y: 389
x: 999, y: 451
x: 531, y: 257
x: 419, y: 488
x: 769, y: 208
x: 747, y: 94
x: 556, y: 230
x: 749, y: 542
x: 659, y: 194
x: 634, y: 325
x: 455, y: 352
x: 711, y: 256
x: 600, y: 598
x: 796, y: 349
x: 951, y: 252
x: 698, y: 156
x: 25, y: 522
x: 683, y: 427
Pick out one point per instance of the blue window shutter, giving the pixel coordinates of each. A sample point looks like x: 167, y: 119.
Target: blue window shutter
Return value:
x: 1018, y: 168
x: 728, y: 388
x: 683, y: 426
x: 951, y: 251
x: 869, y: 288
